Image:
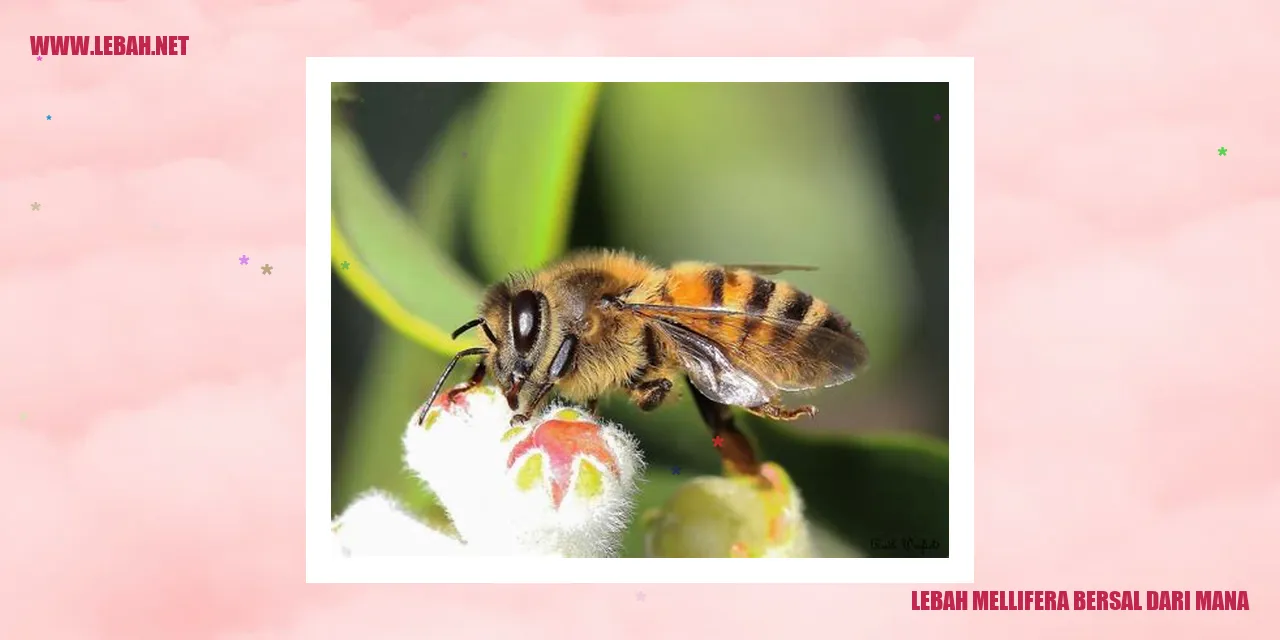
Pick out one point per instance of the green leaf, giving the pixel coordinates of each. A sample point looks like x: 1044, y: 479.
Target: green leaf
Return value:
x: 398, y: 273
x: 532, y: 138
x: 873, y: 490
x: 440, y: 184
x: 418, y: 292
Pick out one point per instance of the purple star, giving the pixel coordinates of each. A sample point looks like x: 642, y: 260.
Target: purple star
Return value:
x: 39, y: 58
x: 937, y: 117
x: 244, y: 259
x: 640, y: 596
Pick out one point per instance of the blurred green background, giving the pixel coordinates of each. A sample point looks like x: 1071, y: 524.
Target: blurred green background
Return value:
x: 440, y: 189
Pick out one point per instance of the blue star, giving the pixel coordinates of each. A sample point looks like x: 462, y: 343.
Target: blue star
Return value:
x: 675, y: 471
x: 48, y: 117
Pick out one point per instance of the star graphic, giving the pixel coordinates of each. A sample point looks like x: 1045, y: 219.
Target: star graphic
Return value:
x: 244, y: 259
x: 640, y: 596
x: 675, y: 471
x: 561, y: 441
x: 48, y: 117
x: 937, y: 117
x: 39, y: 58
x: 266, y: 269
x: 345, y: 264
x: 1222, y: 151
x: 35, y: 206
x: 718, y: 441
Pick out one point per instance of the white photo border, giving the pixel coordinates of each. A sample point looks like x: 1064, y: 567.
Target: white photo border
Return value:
x: 323, y: 565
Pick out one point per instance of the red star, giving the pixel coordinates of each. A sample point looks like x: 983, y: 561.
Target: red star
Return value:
x: 562, y: 441
x: 717, y: 441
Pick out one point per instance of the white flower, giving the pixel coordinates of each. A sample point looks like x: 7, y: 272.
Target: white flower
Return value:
x: 560, y: 485
x: 376, y: 525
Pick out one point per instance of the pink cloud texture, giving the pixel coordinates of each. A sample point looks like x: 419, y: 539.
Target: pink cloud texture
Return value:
x: 151, y: 393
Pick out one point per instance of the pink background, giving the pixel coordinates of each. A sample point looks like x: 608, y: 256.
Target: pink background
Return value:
x: 1127, y: 294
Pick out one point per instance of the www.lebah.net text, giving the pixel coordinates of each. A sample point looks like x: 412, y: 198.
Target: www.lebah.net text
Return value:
x: 109, y: 45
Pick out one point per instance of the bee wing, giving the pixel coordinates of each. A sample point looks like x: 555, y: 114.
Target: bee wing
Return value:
x: 768, y: 269
x: 788, y: 356
x: 712, y: 371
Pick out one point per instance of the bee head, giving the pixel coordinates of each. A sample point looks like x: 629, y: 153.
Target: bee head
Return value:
x: 515, y: 318
x: 519, y: 316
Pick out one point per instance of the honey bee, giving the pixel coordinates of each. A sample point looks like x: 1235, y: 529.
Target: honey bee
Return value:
x: 602, y: 320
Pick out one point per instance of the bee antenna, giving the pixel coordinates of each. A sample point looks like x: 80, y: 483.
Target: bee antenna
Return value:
x: 471, y: 324
x: 473, y: 351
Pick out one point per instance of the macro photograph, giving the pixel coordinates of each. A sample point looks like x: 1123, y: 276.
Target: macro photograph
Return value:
x: 640, y: 319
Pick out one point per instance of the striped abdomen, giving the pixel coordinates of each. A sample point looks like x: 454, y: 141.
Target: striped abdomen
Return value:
x: 711, y: 286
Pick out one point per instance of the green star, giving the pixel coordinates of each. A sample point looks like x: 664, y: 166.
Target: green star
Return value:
x: 345, y: 264
x: 1222, y: 151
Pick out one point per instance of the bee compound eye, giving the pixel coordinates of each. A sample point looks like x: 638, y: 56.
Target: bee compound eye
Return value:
x: 526, y: 320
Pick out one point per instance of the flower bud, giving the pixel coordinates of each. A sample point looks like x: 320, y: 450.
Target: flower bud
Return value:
x: 559, y: 485
x: 739, y: 516
x: 375, y: 524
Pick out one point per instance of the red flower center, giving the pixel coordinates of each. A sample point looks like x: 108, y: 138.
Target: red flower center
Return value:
x: 561, y: 441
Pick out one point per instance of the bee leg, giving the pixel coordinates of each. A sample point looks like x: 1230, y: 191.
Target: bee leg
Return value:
x: 476, y: 378
x: 735, y: 450
x: 779, y: 412
x: 592, y: 405
x: 648, y: 395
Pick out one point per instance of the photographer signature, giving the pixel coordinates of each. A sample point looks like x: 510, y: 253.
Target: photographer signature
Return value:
x: 906, y: 543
